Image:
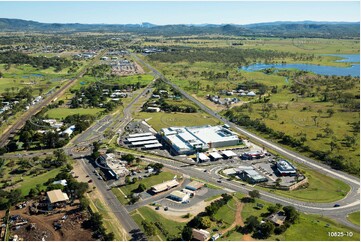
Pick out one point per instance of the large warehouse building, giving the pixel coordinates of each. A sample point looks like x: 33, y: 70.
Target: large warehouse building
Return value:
x: 189, y: 140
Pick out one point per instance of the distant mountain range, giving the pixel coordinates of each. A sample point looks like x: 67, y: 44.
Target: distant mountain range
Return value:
x: 277, y: 29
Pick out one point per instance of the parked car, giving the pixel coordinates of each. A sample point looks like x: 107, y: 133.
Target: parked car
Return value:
x: 336, y: 205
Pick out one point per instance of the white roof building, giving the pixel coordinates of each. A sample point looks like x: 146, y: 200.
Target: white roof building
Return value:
x: 215, y: 155
x: 143, y: 138
x: 229, y: 153
x: 251, y: 94
x: 179, y: 196
x: 200, y: 234
x: 139, y: 135
x: 55, y: 196
x: 188, y: 140
x: 164, y: 186
x: 69, y: 130
x: 61, y: 182
x: 202, y: 157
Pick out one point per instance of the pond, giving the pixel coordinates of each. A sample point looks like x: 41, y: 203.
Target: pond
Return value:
x: 354, y: 70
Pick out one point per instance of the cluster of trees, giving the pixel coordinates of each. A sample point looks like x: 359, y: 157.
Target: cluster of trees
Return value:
x: 13, y: 57
x: 99, y: 70
x: 211, y: 75
x: 23, y: 97
x: 49, y: 139
x: 128, y: 158
x: 74, y: 189
x: 336, y: 89
x: 168, y: 107
x: 95, y: 223
x: 264, y: 230
x: 9, y: 198
x: 81, y: 121
x: 150, y: 230
x: 92, y: 96
x: 204, y: 220
x: 241, y: 57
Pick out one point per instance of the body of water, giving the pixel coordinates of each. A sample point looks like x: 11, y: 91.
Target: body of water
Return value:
x: 354, y: 70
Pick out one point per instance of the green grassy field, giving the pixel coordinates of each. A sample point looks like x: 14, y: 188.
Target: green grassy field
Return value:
x: 354, y: 218
x: 31, y: 182
x: 316, y: 228
x: 138, y: 219
x: 233, y: 236
x: 61, y: 113
x: 164, y: 120
x: 173, y: 228
x: 227, y: 212
x: 29, y: 178
x: 148, y: 182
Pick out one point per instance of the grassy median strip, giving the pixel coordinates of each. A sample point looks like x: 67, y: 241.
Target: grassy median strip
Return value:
x: 97, y: 206
x: 354, y: 218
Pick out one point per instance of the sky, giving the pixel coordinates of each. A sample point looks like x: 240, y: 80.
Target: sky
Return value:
x: 162, y: 13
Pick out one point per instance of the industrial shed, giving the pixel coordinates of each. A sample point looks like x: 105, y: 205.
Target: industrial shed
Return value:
x: 203, y: 158
x: 164, y: 186
x: 228, y: 154
x: 215, y: 156
x: 194, y: 185
x: 179, y: 196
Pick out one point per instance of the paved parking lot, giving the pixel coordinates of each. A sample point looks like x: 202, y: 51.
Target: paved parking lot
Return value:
x: 199, y: 196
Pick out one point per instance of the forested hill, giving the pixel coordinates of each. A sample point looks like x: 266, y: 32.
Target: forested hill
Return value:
x: 277, y: 29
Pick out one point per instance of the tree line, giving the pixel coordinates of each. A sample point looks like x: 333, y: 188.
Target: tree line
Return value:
x: 227, y: 55
x: 13, y: 57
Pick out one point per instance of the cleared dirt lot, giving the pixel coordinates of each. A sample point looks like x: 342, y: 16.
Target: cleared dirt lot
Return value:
x: 39, y: 227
